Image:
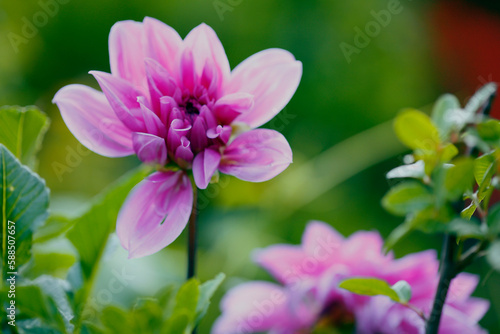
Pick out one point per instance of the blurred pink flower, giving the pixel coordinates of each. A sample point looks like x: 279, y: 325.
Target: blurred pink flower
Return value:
x: 308, y: 293
x: 173, y: 101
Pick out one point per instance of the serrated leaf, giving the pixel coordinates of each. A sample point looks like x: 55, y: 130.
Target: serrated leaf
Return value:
x: 91, y: 231
x: 407, y: 197
x: 416, y: 130
x: 22, y: 131
x: 403, y: 289
x: 369, y: 287
x: 480, y: 98
x: 415, y: 170
x: 24, y: 200
x: 442, y: 114
x: 493, y: 255
x: 207, y: 290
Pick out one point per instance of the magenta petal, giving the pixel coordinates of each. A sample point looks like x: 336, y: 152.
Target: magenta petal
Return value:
x: 163, y: 44
x: 122, y: 97
x: 287, y: 263
x: 206, y: 48
x: 254, y: 307
x: 150, y: 148
x: 229, y: 107
x: 257, y: 155
x: 91, y: 120
x: 272, y: 77
x: 321, y: 240
x: 155, y: 213
x: 126, y: 52
x: 204, y: 166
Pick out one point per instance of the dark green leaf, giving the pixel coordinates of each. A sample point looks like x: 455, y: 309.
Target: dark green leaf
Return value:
x: 25, y: 200
x: 22, y: 131
x: 407, y: 197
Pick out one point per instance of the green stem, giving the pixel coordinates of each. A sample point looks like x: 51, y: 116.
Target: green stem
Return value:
x: 192, y: 242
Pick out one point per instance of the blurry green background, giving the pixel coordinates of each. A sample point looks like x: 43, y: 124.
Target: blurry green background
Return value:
x: 333, y: 178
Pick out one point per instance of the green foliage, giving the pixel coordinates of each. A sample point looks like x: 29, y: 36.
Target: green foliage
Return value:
x: 22, y: 132
x: 449, y: 186
x: 24, y: 199
x: 400, y: 292
x: 172, y: 311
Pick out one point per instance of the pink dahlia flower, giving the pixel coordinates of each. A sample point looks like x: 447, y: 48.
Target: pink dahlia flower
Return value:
x: 177, y: 102
x: 308, y: 296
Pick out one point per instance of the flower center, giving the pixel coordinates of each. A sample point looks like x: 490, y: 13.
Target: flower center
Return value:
x: 191, y: 109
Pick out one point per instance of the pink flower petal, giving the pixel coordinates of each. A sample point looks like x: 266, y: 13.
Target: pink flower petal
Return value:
x: 150, y: 148
x: 126, y: 52
x: 122, y: 97
x: 254, y: 307
x: 230, y: 106
x: 257, y: 155
x: 204, y: 166
x: 272, y: 77
x: 163, y: 44
x: 155, y: 213
x: 207, y: 49
x: 285, y: 262
x: 321, y: 240
x: 91, y: 120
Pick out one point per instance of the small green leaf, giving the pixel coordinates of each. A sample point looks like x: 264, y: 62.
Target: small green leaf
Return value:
x: 53, y: 227
x: 465, y: 229
x: 484, y: 168
x: 186, y: 301
x: 442, y: 114
x: 416, y: 130
x: 117, y: 320
x: 22, y: 131
x: 207, y: 290
x: 493, y: 220
x: 489, y: 131
x: 407, y: 197
x: 480, y: 98
x: 448, y: 152
x: 398, y: 234
x: 403, y: 289
x: 468, y: 211
x: 415, y: 170
x: 493, y: 255
x: 24, y: 201
x: 459, y: 178
x: 369, y: 287
x: 53, y: 264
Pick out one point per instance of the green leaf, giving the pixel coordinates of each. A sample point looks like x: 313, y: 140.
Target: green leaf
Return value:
x: 489, y: 131
x: 493, y: 220
x: 415, y: 170
x: 458, y: 179
x: 369, y: 287
x: 178, y: 324
x: 53, y: 227
x: 484, y: 168
x: 468, y: 211
x: 403, y: 289
x: 480, y: 98
x: 442, y: 114
x: 117, y: 320
x: 22, y: 131
x: 91, y: 231
x: 416, y: 130
x: 25, y: 200
x: 465, y: 229
x: 186, y: 300
x: 407, y: 197
x: 53, y: 264
x: 493, y: 255
x: 398, y: 234
x: 207, y: 290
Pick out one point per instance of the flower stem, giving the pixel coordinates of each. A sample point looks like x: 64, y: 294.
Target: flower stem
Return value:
x: 446, y: 273
x: 191, y: 265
